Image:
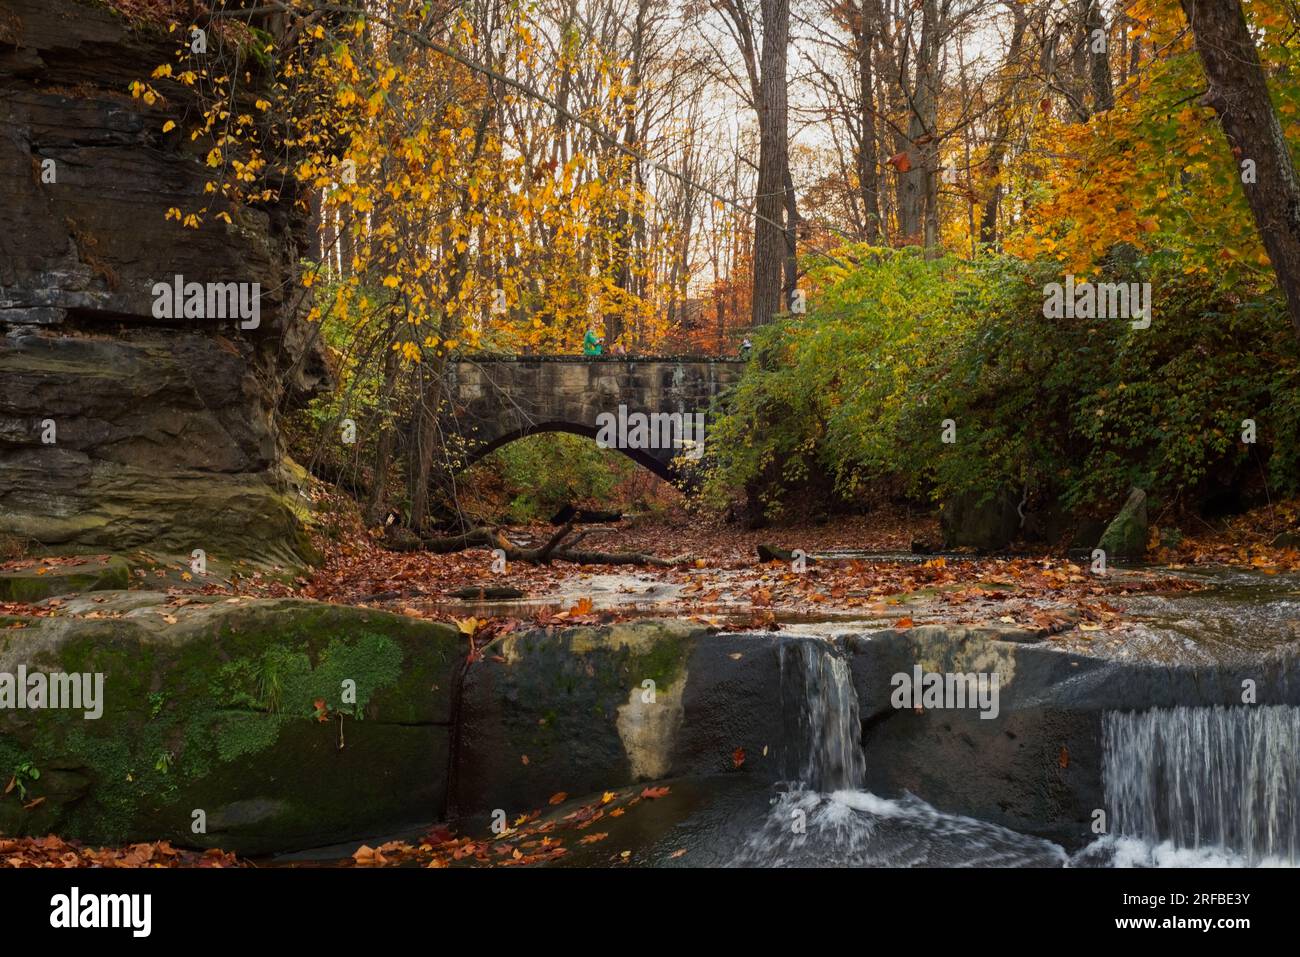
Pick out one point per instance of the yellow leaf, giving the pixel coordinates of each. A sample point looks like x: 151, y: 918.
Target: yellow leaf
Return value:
x: 169, y: 126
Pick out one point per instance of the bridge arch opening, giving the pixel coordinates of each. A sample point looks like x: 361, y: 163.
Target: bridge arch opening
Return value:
x: 660, y: 466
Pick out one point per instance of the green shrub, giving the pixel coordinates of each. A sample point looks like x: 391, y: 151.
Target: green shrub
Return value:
x: 1076, y: 410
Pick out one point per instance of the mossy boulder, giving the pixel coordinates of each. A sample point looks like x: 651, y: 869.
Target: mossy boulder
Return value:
x: 287, y: 723
x: 1126, y: 535
x: 45, y: 580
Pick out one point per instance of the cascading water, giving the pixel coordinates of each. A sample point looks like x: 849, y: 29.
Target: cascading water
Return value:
x: 825, y: 818
x: 1184, y: 787
x: 1222, y: 780
x: 824, y: 706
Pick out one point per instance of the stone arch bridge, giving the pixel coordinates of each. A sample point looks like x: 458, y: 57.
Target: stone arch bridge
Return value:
x: 495, y: 400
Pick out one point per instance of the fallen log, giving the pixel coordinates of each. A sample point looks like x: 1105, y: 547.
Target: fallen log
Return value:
x: 770, y: 553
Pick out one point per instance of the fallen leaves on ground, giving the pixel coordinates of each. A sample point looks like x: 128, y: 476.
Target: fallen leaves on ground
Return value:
x: 533, y: 838
x: 52, y: 851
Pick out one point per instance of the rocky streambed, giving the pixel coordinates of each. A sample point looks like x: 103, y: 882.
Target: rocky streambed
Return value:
x: 265, y: 726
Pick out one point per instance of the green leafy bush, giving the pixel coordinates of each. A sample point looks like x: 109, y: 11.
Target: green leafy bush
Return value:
x: 539, y: 474
x: 1074, y: 411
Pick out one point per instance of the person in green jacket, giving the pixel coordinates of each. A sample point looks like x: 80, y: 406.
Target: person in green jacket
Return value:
x: 591, y: 344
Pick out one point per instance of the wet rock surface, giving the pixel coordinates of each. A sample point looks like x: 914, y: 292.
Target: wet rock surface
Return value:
x: 287, y: 723
x: 118, y: 430
x: 216, y: 703
x: 33, y: 583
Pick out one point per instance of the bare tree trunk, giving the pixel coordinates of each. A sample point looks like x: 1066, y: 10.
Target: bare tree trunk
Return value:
x: 770, y: 252
x: 1238, y: 93
x: 1103, y: 96
x: 997, y: 149
x: 917, y: 215
x: 385, y: 441
x: 867, y: 158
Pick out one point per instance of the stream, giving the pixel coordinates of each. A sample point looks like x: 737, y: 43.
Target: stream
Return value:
x: 1185, y: 786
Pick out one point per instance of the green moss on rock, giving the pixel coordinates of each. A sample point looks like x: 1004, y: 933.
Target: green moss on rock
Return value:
x: 217, y: 712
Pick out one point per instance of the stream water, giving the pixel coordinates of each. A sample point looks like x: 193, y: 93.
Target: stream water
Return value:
x: 824, y: 817
x: 1185, y: 786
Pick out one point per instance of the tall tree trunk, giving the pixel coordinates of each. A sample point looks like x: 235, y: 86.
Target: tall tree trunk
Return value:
x: 1103, y: 96
x: 1238, y: 93
x: 770, y: 251
x: 625, y: 231
x: 791, y: 239
x: 867, y: 157
x: 385, y: 442
x: 997, y: 149
x: 917, y: 212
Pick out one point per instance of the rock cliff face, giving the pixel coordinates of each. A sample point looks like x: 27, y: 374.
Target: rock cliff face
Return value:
x: 118, y: 430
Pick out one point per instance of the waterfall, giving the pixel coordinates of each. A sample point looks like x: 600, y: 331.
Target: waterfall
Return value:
x: 824, y: 817
x: 1206, y: 777
x: 822, y: 704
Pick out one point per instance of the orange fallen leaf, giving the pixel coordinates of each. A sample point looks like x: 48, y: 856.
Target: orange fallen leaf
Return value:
x: 904, y: 623
x: 1063, y: 759
x: 653, y: 793
x: 593, y: 838
x: 559, y: 797
x: 738, y: 757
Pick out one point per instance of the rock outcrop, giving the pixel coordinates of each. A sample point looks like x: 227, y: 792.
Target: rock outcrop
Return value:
x: 295, y: 724
x: 282, y: 723
x: 1126, y: 535
x: 119, y: 430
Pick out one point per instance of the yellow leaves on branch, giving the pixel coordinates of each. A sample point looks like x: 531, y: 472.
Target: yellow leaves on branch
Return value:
x: 452, y: 230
